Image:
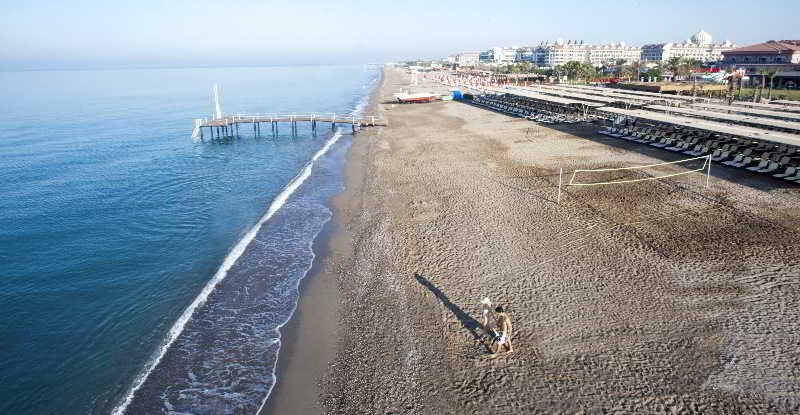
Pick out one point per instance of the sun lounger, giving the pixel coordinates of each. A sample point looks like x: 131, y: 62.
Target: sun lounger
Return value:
x: 683, y: 146
x: 794, y: 178
x: 667, y: 141
x: 790, y: 171
x: 725, y: 154
x: 739, y: 157
x: 744, y: 162
x: 735, y: 161
x: 762, y: 162
x: 771, y: 167
x: 719, y: 154
x: 698, y: 150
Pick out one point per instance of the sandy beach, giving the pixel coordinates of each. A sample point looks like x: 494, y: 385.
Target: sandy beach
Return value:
x: 653, y: 297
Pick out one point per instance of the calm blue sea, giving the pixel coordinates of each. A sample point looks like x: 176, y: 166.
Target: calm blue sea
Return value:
x: 144, y: 271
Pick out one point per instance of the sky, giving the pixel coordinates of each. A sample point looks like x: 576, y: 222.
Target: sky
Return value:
x: 77, y: 34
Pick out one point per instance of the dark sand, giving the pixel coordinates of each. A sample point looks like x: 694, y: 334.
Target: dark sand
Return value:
x: 654, y: 297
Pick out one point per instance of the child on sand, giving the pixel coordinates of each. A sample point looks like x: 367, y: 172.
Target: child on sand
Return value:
x: 500, y: 332
x: 503, y: 337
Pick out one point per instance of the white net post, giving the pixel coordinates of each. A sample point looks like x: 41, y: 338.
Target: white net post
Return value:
x: 560, y: 172
x: 708, y: 170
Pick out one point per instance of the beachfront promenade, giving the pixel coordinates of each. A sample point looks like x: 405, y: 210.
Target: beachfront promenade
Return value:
x: 228, y: 125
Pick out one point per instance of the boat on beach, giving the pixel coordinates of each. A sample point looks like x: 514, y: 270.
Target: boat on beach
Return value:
x: 421, y: 97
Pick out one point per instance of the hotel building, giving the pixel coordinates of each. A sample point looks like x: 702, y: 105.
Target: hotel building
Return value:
x: 549, y: 55
x: 499, y: 55
x: 779, y: 58
x: 467, y: 58
x: 700, y: 47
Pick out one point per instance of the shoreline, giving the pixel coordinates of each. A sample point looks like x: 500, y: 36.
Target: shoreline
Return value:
x: 309, y: 339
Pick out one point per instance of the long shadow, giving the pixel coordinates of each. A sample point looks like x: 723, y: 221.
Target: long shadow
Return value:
x: 469, y: 323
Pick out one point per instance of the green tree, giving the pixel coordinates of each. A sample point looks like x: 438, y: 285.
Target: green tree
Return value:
x: 679, y: 66
x: 545, y: 72
x: 587, y: 72
x: 692, y: 63
x: 527, y: 67
x: 630, y: 71
x: 558, y: 71
x: 569, y: 69
x: 575, y: 70
x: 654, y: 73
x: 674, y: 65
x: 637, y: 68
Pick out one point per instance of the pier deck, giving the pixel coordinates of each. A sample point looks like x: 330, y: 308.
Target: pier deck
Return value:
x: 227, y: 125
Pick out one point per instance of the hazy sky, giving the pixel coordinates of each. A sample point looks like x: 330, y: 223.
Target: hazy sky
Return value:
x: 76, y: 34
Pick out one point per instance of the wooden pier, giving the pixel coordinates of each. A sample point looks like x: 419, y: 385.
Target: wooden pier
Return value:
x: 228, y: 125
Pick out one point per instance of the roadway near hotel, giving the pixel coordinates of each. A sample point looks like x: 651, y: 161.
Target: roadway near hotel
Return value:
x: 652, y: 297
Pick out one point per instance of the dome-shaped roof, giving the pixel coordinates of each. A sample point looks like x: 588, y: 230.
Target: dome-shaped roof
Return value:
x: 701, y: 38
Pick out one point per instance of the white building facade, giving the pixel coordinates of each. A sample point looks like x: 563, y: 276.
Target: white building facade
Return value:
x: 700, y: 46
x: 611, y: 53
x: 499, y: 55
x: 525, y: 54
x: 549, y: 55
x: 467, y: 58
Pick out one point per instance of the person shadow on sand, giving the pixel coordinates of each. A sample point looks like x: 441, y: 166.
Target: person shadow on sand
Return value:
x: 489, y: 337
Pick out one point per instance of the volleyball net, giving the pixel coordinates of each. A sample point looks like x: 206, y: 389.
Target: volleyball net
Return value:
x: 633, y: 174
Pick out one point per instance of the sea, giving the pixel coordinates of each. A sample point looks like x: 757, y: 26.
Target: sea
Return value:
x: 144, y: 271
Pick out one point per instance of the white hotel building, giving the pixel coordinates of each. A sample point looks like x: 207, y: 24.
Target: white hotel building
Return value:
x: 466, y: 58
x: 499, y: 55
x: 549, y: 55
x: 700, y: 46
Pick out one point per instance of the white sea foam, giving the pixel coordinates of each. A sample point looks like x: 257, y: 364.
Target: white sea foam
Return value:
x: 364, y: 101
x: 289, y: 317
x: 221, y: 273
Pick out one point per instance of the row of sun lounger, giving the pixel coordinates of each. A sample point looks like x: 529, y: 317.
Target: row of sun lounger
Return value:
x: 524, y: 109
x: 779, y: 161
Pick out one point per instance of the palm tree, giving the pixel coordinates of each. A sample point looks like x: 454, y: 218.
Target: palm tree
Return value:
x: 571, y: 69
x: 627, y: 72
x: 673, y: 65
x: 771, y: 74
x: 637, y: 68
x: 558, y: 71
x: 588, y: 71
x: 679, y: 66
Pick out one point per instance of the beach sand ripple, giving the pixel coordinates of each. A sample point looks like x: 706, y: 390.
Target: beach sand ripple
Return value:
x: 653, y: 297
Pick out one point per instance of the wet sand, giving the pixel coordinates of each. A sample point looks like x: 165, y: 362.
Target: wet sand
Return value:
x: 308, y: 340
x: 653, y: 297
